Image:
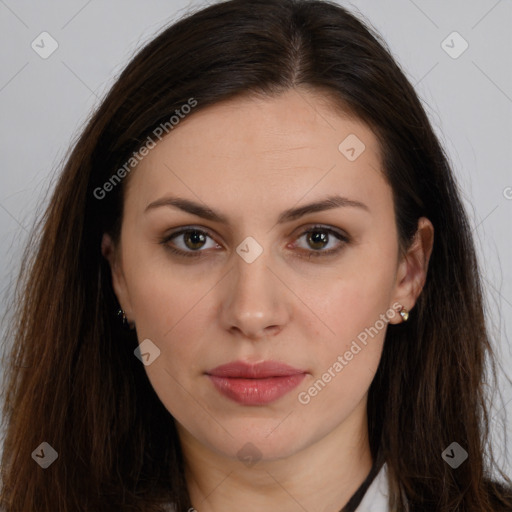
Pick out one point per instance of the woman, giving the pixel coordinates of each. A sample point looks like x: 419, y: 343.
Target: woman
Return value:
x: 254, y: 288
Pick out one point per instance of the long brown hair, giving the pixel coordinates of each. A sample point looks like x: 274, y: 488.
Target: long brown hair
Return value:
x: 72, y: 379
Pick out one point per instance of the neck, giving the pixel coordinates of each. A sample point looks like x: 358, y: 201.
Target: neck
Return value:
x: 319, y: 478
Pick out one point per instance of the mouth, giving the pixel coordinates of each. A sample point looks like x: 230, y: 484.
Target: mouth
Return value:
x: 255, y: 384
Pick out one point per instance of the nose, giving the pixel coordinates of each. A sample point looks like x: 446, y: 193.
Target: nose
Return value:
x: 255, y: 301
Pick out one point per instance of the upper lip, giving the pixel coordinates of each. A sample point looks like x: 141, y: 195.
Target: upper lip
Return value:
x: 262, y: 370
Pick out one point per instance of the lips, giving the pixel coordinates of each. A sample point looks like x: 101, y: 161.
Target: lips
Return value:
x: 255, y: 384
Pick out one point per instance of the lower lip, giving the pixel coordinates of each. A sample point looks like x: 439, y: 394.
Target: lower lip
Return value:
x: 256, y: 391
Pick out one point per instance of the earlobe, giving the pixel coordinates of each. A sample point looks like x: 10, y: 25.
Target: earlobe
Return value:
x: 413, y: 268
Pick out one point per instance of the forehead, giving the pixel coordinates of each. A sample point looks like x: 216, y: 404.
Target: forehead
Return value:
x: 262, y: 149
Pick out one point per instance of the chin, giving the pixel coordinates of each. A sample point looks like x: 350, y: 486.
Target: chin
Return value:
x: 267, y: 443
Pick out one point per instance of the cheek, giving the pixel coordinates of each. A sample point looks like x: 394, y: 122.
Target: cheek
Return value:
x: 354, y: 298
x: 344, y: 364
x: 358, y: 317
x: 169, y: 307
x: 163, y: 295
x: 173, y: 312
x: 356, y: 308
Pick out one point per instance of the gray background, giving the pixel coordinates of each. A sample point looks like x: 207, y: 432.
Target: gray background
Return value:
x: 45, y: 103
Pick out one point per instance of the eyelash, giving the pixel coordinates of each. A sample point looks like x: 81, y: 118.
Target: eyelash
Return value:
x: 198, y: 254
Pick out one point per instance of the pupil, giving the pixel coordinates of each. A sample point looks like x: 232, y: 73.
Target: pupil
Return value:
x: 194, y: 236
x: 318, y: 237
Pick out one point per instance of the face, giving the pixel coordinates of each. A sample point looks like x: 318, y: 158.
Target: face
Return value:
x: 223, y: 259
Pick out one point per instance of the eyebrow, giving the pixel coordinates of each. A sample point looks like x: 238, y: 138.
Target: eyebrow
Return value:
x: 333, y: 201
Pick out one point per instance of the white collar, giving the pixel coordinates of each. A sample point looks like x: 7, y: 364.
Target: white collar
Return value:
x: 375, y: 498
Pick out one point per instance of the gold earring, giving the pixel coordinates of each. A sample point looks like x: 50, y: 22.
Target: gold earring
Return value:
x: 122, y: 314
x: 404, y: 314
x: 126, y: 324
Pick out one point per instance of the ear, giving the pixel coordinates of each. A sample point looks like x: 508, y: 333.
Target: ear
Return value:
x: 412, y: 268
x: 112, y: 254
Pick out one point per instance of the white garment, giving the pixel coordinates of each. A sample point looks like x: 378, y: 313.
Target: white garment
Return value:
x: 375, y: 498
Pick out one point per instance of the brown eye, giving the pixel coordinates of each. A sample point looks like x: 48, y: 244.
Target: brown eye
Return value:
x: 188, y: 242
x: 319, y: 237
x: 194, y: 239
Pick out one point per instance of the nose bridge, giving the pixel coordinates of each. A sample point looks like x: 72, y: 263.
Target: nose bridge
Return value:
x: 254, y: 302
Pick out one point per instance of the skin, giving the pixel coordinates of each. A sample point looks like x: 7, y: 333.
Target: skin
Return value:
x: 250, y: 159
